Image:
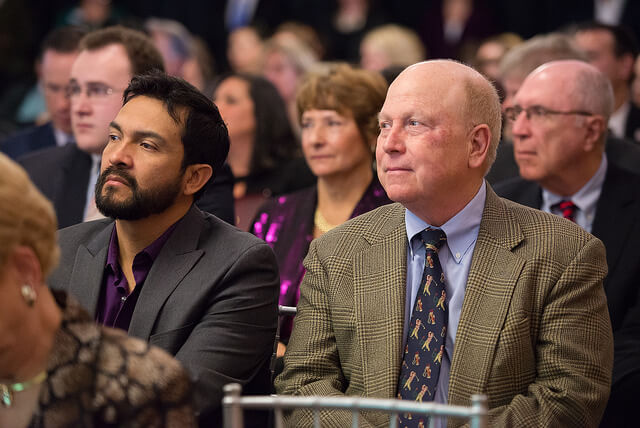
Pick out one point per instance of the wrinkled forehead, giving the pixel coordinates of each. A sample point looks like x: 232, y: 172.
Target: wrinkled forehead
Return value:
x: 549, y: 87
x: 431, y: 88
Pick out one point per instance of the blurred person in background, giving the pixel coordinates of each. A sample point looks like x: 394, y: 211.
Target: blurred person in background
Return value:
x: 338, y: 112
x: 450, y: 27
x: 302, y: 33
x: 199, y: 68
x: 264, y: 154
x: 184, y: 54
x: 173, y: 41
x: 491, y: 51
x: 286, y: 60
x: 390, y: 45
x: 58, y: 52
x: 57, y: 367
x: 612, y: 49
x: 245, y: 50
x: 346, y: 24
x: 92, y: 14
x: 516, y: 65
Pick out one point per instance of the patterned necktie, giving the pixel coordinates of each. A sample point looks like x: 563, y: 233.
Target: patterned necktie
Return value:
x: 427, y: 331
x: 567, y: 208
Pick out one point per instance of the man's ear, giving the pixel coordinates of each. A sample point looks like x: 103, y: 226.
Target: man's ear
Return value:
x: 625, y: 66
x: 595, y: 126
x: 195, y: 177
x: 480, y: 139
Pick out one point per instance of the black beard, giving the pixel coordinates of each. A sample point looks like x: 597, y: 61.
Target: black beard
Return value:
x: 141, y: 203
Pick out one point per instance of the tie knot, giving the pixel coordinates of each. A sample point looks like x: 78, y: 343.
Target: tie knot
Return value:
x: 433, y: 238
x: 567, y: 208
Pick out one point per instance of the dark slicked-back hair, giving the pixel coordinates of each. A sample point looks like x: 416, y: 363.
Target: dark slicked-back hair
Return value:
x: 204, y: 133
x: 274, y: 141
x: 142, y: 53
x: 63, y: 40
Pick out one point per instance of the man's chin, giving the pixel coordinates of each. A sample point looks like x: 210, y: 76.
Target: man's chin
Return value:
x: 90, y: 147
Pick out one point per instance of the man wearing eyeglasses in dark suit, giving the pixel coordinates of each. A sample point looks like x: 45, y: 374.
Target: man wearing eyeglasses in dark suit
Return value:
x: 58, y: 53
x: 559, y: 120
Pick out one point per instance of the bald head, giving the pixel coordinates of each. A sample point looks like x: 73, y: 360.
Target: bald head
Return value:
x: 581, y: 84
x: 560, y: 123
x: 439, y: 128
x: 472, y: 96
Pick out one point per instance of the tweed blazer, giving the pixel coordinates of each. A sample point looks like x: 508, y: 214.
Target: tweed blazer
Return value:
x: 534, y: 333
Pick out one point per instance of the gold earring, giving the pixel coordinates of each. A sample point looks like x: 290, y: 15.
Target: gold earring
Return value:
x: 28, y: 294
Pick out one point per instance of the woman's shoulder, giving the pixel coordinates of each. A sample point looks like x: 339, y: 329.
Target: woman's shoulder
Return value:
x: 97, y: 373
x: 140, y: 380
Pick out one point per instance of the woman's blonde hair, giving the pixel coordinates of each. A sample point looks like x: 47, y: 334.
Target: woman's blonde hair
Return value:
x: 401, y: 45
x: 349, y: 91
x: 26, y: 217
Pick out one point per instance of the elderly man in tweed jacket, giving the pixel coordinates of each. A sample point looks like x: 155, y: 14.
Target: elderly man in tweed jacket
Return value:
x: 527, y: 316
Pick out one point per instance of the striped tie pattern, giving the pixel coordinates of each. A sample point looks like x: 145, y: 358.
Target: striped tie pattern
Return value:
x: 567, y: 208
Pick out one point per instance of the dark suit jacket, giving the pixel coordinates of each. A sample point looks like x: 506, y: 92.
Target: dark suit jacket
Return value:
x: 29, y: 140
x: 617, y: 224
x: 210, y: 299
x: 534, y: 334
x: 632, y: 127
x: 62, y: 175
x: 623, y: 153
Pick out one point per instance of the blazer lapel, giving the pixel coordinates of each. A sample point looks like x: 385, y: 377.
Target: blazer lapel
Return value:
x: 379, y: 299
x: 88, y: 268
x: 492, y: 279
x: 71, y: 194
x: 175, y: 260
x: 614, y: 216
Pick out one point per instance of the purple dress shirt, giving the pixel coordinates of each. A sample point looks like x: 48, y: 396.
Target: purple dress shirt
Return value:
x: 286, y: 224
x: 116, y: 304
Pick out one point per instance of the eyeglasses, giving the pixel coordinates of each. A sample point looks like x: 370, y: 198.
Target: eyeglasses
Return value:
x: 539, y: 112
x: 93, y: 90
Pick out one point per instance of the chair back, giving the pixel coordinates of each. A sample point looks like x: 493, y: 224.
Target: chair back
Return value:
x: 233, y: 404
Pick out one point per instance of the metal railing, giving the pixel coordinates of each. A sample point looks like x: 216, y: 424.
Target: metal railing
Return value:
x: 287, y: 310
x: 282, y: 311
x: 233, y: 404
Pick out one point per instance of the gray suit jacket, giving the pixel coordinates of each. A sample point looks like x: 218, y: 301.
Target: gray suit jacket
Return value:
x: 534, y: 332
x: 210, y: 299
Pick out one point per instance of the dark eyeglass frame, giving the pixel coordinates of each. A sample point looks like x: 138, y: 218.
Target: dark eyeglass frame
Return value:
x: 537, y: 111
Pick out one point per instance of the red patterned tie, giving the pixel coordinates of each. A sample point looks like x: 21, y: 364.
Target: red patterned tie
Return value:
x: 427, y: 332
x: 568, y: 210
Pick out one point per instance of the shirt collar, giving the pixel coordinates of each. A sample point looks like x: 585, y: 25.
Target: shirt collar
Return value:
x: 618, y: 120
x: 151, y: 251
x: 61, y: 137
x: 461, y: 230
x: 586, y: 198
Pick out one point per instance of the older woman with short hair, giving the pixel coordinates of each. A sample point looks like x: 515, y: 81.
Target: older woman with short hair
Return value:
x: 338, y: 111
x: 57, y: 367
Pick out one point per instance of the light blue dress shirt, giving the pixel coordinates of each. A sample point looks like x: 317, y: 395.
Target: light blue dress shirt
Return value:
x: 455, y: 258
x: 586, y: 199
